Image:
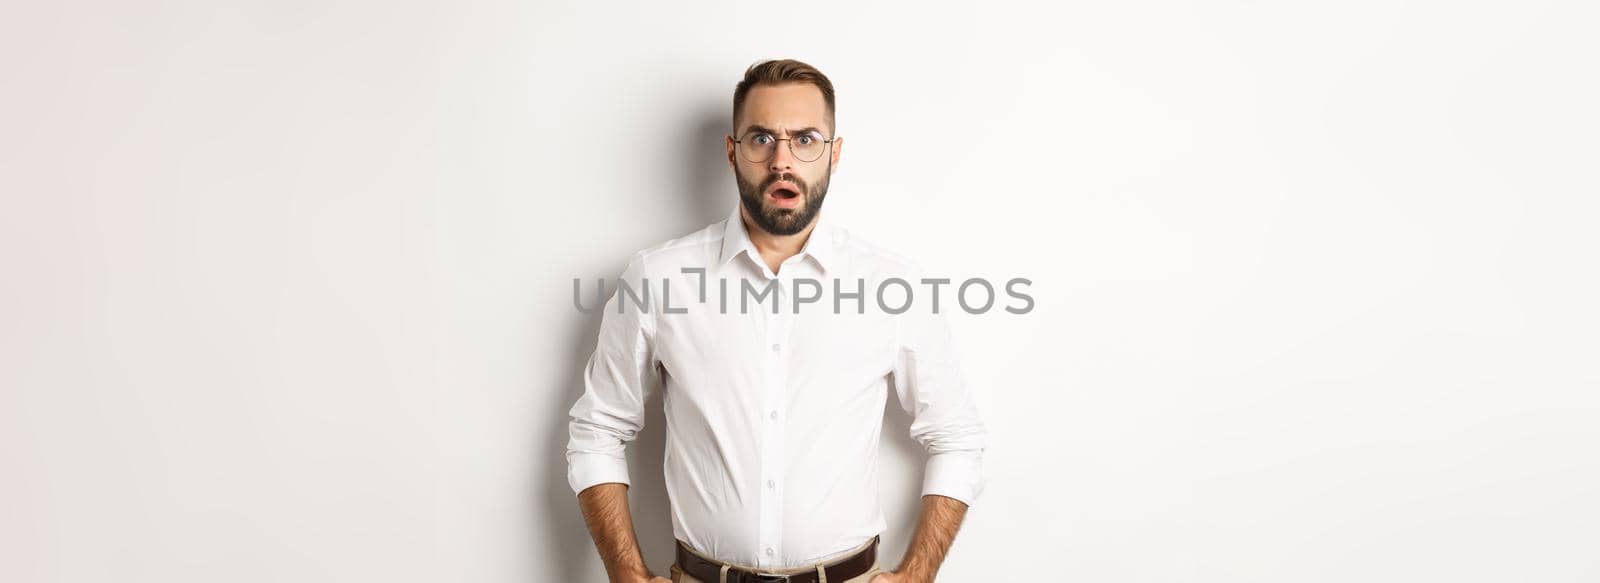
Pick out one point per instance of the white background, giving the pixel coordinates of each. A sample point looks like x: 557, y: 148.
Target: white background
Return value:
x: 287, y: 285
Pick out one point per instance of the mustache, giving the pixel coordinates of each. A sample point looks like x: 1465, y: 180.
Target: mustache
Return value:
x: 787, y: 177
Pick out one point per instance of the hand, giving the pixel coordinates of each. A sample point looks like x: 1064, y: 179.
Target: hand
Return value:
x: 888, y: 577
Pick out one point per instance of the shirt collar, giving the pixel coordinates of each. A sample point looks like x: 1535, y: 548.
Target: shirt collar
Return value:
x: 819, y: 245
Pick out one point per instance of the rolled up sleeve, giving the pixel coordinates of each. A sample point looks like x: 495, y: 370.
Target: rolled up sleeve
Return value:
x: 619, y: 377
x: 932, y: 388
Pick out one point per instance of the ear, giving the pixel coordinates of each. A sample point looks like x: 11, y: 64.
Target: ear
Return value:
x: 728, y: 141
x: 838, y: 147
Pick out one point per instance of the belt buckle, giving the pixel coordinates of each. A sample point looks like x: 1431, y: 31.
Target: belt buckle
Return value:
x: 767, y: 578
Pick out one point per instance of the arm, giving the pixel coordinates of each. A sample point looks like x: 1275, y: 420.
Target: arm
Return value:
x: 930, y: 386
x: 609, y: 415
x: 605, y: 510
x: 937, y: 524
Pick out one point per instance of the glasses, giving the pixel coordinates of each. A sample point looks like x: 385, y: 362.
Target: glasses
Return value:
x: 759, y: 147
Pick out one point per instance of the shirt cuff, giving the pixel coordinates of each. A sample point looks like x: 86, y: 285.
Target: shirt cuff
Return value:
x: 587, y: 469
x: 955, y: 474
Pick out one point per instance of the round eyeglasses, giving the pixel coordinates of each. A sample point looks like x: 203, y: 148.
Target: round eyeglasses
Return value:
x: 758, y: 147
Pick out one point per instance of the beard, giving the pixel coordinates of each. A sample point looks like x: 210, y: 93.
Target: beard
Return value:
x: 782, y: 221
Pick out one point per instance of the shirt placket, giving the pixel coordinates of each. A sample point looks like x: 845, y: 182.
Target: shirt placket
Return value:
x: 773, y: 398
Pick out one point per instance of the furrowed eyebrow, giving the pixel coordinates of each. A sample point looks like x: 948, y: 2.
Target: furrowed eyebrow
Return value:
x: 762, y: 129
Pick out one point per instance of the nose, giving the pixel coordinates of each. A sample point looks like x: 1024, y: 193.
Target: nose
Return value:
x: 782, y: 158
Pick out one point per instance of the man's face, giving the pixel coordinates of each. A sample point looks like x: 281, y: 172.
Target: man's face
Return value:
x: 783, y: 194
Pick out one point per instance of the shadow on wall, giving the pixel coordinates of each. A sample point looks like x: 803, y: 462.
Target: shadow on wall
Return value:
x: 709, y: 190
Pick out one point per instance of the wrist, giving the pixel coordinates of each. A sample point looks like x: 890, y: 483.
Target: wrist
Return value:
x: 912, y: 574
x: 637, y: 575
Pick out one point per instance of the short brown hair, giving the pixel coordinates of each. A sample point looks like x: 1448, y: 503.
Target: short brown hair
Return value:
x: 777, y: 72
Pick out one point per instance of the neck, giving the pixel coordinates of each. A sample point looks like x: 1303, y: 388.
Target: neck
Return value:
x: 774, y: 249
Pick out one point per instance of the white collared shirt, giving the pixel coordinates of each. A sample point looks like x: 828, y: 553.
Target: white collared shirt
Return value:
x: 772, y: 419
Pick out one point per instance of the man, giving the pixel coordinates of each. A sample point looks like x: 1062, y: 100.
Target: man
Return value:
x: 770, y: 335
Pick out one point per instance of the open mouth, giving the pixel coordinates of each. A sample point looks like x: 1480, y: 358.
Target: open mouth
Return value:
x: 785, y: 195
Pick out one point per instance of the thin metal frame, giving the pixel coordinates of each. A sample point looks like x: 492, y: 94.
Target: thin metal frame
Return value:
x: 828, y: 141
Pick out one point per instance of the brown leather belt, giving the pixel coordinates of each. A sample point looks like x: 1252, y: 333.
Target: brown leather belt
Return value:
x: 838, y: 571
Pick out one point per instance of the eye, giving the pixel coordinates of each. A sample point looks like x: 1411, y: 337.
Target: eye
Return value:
x: 805, y: 139
x: 761, y: 139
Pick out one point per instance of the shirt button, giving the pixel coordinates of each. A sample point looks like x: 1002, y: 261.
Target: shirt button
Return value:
x: 769, y: 551
x: 776, y: 347
x: 773, y: 415
x: 771, y: 483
